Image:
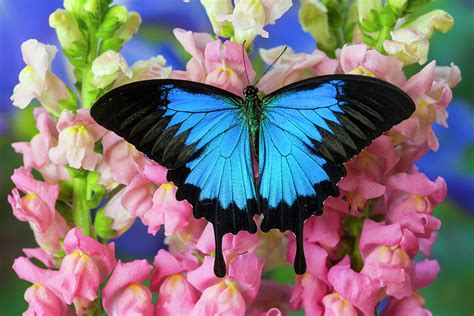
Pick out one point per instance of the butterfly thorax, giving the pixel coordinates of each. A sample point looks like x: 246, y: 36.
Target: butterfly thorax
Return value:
x: 253, y: 111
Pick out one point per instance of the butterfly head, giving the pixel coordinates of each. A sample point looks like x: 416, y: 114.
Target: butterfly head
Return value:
x: 250, y: 92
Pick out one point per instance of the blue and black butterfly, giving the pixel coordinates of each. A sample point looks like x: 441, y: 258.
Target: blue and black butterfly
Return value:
x: 281, y: 155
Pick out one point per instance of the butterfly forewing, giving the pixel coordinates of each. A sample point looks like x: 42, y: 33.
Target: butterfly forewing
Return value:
x: 308, y: 130
x: 199, y: 133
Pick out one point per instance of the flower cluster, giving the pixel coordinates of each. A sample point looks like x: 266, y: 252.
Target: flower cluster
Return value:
x: 82, y: 186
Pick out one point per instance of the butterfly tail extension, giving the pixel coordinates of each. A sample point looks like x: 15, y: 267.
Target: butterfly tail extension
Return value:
x: 300, y: 259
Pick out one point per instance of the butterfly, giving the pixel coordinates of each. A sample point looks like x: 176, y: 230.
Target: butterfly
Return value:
x: 232, y: 158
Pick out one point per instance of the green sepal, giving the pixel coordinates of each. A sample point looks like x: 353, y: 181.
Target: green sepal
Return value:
x: 369, y: 26
x: 95, y: 191
x: 76, y: 173
x: 114, y: 44
x: 70, y: 103
x: 353, y: 225
x: 102, y: 225
x: 227, y: 30
x: 388, y: 17
x: 367, y: 39
x: 113, y: 19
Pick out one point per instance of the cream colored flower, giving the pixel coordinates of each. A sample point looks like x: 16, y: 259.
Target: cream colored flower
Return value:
x: 247, y: 19
x: 153, y: 68
x: 408, y: 45
x: 36, y: 79
x: 108, y: 67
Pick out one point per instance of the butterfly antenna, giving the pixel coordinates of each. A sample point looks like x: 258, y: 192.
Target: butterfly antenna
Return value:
x: 245, y: 66
x: 270, y: 67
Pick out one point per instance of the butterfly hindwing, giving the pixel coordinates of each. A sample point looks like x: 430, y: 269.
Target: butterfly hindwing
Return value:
x: 308, y: 130
x: 196, y: 131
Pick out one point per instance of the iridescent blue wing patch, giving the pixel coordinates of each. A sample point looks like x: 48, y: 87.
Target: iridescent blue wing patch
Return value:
x: 198, y: 132
x: 308, y: 130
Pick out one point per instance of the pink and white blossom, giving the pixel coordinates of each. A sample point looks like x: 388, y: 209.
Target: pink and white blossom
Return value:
x: 36, y: 79
x: 124, y: 294
x: 77, y: 137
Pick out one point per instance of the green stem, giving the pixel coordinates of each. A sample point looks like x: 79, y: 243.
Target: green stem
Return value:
x: 87, y: 97
x: 80, y: 212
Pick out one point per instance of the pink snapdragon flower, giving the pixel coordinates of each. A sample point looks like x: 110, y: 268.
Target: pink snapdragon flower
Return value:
x: 424, y: 273
x: 167, y: 211
x: 411, y: 305
x: 222, y: 298
x: 292, y: 67
x: 122, y: 158
x: 38, y: 204
x: 86, y: 265
x: 40, y: 255
x: 194, y: 44
x: 42, y: 299
x: 232, y: 245
x: 138, y: 196
x: 311, y: 287
x: 124, y: 294
x: 156, y: 205
x: 366, y: 173
x: 326, y: 230
x: 386, y: 251
x: 37, y: 207
x: 362, y: 60
x: 431, y: 90
x: 353, y: 291
x: 122, y: 219
x: 77, y: 137
x: 35, y: 152
x: 234, y: 292
x: 215, y: 63
x: 177, y: 295
x: 410, y: 201
x: 36, y: 79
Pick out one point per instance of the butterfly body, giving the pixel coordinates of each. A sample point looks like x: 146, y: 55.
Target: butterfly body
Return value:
x: 299, y: 137
x: 253, y: 107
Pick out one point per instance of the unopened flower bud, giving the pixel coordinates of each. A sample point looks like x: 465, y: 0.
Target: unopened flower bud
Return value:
x: 436, y: 20
x: 215, y: 10
x: 365, y: 6
x: 92, y: 6
x: 313, y: 16
x: 398, y: 5
x: 113, y: 19
x: 67, y: 29
x: 130, y: 27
